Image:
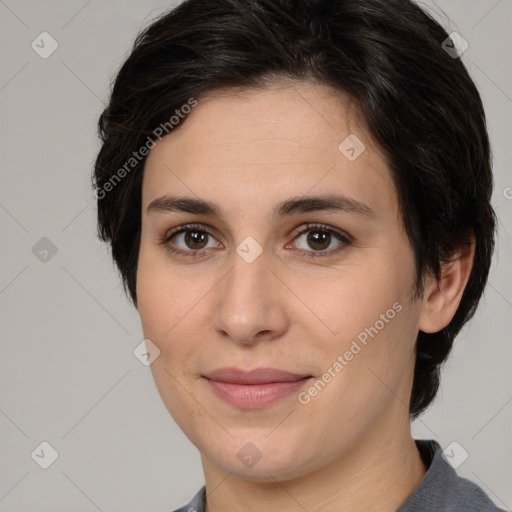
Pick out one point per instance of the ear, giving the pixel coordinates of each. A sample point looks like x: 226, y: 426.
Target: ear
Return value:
x: 442, y: 298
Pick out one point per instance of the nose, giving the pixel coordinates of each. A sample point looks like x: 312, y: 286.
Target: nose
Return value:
x: 250, y: 303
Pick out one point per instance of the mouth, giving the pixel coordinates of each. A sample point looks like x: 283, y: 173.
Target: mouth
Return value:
x: 254, y: 389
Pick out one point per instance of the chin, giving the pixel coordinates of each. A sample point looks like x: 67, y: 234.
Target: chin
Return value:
x: 262, y: 462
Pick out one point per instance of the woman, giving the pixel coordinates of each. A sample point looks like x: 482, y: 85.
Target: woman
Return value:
x: 297, y: 197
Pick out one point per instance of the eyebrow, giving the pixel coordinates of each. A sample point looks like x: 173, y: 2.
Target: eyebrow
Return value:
x: 330, y: 202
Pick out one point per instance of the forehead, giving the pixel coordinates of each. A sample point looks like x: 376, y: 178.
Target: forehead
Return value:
x: 268, y: 143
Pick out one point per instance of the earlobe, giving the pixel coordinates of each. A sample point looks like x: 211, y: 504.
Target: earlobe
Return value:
x: 442, y: 297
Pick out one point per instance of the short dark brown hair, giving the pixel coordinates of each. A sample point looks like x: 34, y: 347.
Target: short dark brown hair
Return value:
x: 418, y: 101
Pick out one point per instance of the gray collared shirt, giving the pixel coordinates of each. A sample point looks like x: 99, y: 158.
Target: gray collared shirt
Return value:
x: 440, y: 490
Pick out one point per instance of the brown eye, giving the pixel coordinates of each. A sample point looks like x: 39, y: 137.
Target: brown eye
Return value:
x: 190, y: 240
x: 196, y: 239
x: 319, y: 240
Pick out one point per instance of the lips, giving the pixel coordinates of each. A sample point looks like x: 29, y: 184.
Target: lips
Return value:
x: 256, y: 376
x: 254, y: 389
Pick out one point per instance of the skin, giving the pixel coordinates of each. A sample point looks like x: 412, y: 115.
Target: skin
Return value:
x: 350, y: 447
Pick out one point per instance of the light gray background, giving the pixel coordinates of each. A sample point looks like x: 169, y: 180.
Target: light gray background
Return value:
x: 67, y: 372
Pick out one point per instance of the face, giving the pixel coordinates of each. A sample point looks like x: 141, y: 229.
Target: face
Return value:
x: 279, y: 292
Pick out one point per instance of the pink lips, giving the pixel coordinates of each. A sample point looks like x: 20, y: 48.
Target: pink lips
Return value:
x: 253, y: 389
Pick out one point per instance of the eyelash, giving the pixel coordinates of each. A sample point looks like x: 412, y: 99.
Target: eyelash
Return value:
x: 345, y: 239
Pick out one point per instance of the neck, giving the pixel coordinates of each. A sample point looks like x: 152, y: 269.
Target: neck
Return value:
x: 379, y: 472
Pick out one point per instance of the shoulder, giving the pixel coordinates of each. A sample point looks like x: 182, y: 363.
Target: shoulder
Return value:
x: 442, y: 489
x: 468, y: 496
x: 196, y: 504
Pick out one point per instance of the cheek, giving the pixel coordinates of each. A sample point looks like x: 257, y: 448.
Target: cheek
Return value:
x: 369, y: 339
x: 161, y: 294
x: 163, y: 307
x: 172, y: 309
x: 365, y: 379
x: 351, y: 302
